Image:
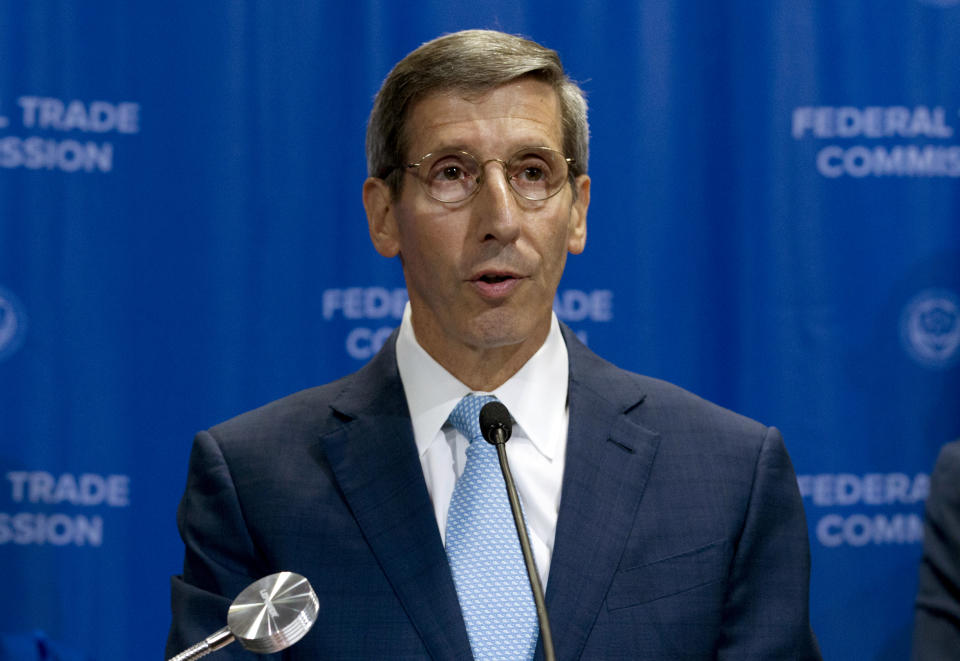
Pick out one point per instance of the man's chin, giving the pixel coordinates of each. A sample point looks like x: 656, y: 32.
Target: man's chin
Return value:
x: 499, y: 328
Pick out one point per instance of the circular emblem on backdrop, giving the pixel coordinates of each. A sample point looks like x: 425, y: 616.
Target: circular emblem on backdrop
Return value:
x: 930, y: 328
x: 13, y: 323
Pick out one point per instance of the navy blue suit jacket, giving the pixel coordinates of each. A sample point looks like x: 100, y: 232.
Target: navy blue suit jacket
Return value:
x: 681, y: 532
x: 936, y: 628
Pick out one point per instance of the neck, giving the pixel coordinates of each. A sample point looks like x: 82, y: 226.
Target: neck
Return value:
x: 488, y: 370
x: 483, y: 369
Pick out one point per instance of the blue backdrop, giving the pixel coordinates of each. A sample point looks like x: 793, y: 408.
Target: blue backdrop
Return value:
x: 774, y: 225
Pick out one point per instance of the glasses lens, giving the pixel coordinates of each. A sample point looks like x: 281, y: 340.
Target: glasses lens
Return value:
x: 449, y: 176
x: 537, y: 173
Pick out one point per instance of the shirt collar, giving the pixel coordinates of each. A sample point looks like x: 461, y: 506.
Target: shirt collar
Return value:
x: 536, y: 395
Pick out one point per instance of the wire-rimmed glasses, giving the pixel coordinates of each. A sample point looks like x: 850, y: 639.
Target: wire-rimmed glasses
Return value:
x: 451, y: 175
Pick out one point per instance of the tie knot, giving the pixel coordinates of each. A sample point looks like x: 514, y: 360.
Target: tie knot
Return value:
x: 466, y: 415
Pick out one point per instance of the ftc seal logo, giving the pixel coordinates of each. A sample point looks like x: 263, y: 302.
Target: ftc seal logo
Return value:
x: 13, y: 324
x: 930, y: 328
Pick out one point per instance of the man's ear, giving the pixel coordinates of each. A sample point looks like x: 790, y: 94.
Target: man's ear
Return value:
x: 577, y: 238
x: 381, y: 221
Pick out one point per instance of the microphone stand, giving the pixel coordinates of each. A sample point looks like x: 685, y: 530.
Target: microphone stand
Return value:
x: 499, y: 440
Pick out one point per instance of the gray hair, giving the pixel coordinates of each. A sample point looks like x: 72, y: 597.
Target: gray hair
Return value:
x: 472, y: 61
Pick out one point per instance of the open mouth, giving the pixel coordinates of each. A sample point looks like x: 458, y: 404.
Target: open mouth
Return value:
x: 493, y: 278
x: 496, y: 286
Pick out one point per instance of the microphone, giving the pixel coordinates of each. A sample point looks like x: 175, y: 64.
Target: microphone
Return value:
x: 268, y: 616
x: 496, y: 424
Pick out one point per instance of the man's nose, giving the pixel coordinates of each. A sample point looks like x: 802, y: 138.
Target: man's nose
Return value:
x: 496, y: 206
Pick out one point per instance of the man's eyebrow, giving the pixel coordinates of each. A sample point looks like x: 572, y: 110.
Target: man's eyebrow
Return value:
x: 510, y: 151
x: 449, y: 147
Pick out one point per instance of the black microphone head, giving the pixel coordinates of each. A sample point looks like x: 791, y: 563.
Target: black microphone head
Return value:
x: 495, y: 423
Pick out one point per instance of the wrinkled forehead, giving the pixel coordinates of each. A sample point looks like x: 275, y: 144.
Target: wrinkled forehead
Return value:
x: 521, y: 113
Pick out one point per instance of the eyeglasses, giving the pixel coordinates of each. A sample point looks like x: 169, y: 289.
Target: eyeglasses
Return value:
x: 534, y: 173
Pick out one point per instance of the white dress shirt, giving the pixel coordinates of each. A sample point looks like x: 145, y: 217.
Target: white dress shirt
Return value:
x: 536, y: 397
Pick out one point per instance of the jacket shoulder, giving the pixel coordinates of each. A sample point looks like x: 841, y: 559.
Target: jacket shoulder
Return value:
x: 374, y: 388
x: 306, y: 407
x: 659, y: 405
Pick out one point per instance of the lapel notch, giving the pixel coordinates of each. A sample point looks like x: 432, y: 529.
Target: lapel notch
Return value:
x: 374, y: 460
x: 609, y: 458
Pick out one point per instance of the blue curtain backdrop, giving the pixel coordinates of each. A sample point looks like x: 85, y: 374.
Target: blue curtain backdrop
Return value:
x: 774, y: 225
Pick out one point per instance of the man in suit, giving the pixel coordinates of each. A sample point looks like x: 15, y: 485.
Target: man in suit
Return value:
x: 663, y: 526
x: 936, y: 627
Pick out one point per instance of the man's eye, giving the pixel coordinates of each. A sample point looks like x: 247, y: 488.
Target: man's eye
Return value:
x: 451, y: 173
x: 448, y: 169
x: 531, y: 173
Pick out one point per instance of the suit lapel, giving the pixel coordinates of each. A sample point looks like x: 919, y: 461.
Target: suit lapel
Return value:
x: 374, y: 459
x: 608, y: 462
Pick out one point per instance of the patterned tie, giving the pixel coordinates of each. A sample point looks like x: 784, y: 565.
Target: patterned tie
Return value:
x: 484, y: 552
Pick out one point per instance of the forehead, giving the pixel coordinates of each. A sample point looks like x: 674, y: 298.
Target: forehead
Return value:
x: 521, y: 113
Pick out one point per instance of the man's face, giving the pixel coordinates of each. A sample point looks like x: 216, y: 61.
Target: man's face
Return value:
x: 481, y: 274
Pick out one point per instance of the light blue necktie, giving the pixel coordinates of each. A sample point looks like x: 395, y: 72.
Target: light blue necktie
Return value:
x: 484, y: 551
